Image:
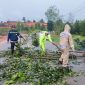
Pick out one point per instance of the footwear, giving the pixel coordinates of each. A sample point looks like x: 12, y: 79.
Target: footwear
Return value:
x: 60, y: 62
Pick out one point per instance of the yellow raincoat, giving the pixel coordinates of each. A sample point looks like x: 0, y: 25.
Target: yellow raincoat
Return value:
x: 42, y: 40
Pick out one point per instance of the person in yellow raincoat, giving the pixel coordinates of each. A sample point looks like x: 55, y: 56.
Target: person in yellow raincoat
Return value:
x: 42, y: 41
x: 66, y: 42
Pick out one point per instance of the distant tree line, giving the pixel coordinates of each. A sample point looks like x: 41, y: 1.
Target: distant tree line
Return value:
x: 21, y: 27
x: 56, y: 23
x: 79, y: 27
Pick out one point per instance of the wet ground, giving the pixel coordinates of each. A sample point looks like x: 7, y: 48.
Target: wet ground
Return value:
x: 79, y: 80
x: 77, y: 65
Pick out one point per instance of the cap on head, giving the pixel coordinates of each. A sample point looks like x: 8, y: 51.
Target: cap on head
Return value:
x: 46, y: 33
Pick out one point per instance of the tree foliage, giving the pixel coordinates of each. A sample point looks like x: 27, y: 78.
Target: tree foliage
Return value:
x: 79, y: 27
x: 24, y: 19
x: 52, y: 13
x: 50, y: 26
x: 54, y: 21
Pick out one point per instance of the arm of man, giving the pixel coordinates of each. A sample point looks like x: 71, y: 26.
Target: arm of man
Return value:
x: 71, y: 42
x: 18, y: 34
x: 49, y: 38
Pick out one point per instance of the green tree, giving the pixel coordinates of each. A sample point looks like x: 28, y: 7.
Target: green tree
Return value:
x: 82, y: 27
x: 20, y: 27
x: 52, y: 13
x: 79, y: 27
x: 41, y: 21
x: 50, y: 26
x: 37, y: 26
x: 24, y: 19
x: 76, y: 28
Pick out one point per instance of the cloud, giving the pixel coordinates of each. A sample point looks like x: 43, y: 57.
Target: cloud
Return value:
x: 34, y: 9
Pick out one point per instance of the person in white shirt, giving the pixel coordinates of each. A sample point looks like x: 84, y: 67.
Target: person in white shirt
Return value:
x: 66, y: 42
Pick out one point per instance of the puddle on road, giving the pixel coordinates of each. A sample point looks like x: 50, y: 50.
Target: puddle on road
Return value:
x: 79, y: 80
x: 79, y: 67
x: 78, y: 64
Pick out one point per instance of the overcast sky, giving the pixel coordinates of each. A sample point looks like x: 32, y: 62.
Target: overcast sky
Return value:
x: 35, y: 9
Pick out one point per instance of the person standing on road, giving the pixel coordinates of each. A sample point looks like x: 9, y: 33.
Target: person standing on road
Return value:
x: 66, y: 42
x: 42, y: 41
x: 13, y: 35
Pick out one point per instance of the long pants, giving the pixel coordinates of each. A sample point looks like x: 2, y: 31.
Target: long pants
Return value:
x: 43, y: 49
x: 65, y: 57
x: 12, y: 47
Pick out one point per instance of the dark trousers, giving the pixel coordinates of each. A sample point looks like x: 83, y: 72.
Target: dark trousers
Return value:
x: 13, y: 44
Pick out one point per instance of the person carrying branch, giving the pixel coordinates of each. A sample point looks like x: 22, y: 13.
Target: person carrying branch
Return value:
x: 13, y: 38
x: 66, y: 42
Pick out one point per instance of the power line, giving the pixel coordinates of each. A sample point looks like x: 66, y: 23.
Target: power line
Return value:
x: 80, y: 10
x: 77, y: 9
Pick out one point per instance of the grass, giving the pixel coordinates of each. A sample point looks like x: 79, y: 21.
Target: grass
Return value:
x: 4, y: 31
x: 55, y: 38
x: 79, y: 36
